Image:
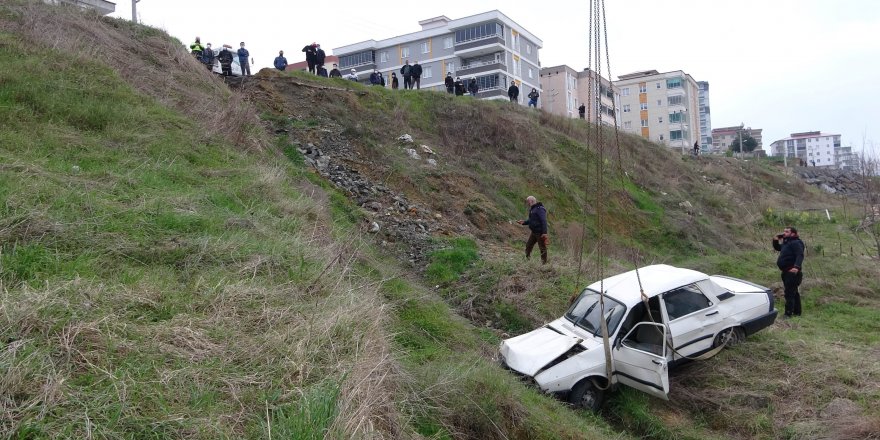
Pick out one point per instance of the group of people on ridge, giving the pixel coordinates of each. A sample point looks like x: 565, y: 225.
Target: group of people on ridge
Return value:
x: 206, y: 55
x: 513, y: 94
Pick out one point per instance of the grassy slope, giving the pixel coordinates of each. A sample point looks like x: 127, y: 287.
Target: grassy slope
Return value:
x: 160, y: 283
x: 491, y: 154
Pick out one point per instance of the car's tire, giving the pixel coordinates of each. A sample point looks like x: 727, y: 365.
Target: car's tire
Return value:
x: 737, y: 335
x: 587, y: 395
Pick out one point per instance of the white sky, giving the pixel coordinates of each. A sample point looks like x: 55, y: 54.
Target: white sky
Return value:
x: 781, y: 65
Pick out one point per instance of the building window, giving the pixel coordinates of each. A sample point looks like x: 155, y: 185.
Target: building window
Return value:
x: 675, y: 118
x: 356, y: 59
x: 426, y: 47
x: 447, y: 43
x: 626, y: 108
x: 643, y: 106
x: 529, y: 49
x: 660, y: 120
x: 674, y: 100
x: 478, y: 32
x: 659, y: 102
x: 661, y: 137
x: 383, y: 57
x: 428, y: 72
x: 627, y: 125
x: 530, y: 73
x: 644, y: 122
x: 675, y: 135
x: 658, y: 86
x: 624, y: 91
x: 673, y: 83
x: 643, y: 88
x: 404, y: 52
x: 450, y: 67
x: 489, y: 82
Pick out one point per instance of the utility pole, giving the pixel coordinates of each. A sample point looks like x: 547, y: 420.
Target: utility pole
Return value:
x: 134, y: 16
x: 742, y: 154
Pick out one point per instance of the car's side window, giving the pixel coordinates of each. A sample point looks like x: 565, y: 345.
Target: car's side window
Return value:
x: 684, y: 301
x: 646, y: 336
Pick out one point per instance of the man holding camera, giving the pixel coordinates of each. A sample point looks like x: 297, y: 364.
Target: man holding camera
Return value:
x: 791, y: 256
x: 537, y: 223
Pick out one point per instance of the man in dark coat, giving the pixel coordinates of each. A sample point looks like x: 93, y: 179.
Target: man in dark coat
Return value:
x: 407, y: 72
x: 320, y: 56
x: 791, y: 256
x: 394, y: 83
x: 311, y: 56
x: 244, y: 60
x: 449, y: 82
x: 225, y: 58
x: 473, y: 87
x: 582, y: 111
x: 416, y: 76
x: 375, y: 78
x: 459, y: 87
x: 537, y: 223
x: 513, y: 92
x: 335, y: 73
x: 533, y: 98
x: 208, y: 57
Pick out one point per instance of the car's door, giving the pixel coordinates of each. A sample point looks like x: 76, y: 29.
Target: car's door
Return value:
x: 640, y: 359
x: 694, y: 319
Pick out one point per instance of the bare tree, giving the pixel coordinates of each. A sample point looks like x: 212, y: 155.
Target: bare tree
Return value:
x: 869, y: 173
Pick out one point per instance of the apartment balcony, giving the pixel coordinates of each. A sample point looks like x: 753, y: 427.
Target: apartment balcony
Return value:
x: 492, y: 92
x: 479, y: 46
x: 103, y: 7
x: 476, y: 67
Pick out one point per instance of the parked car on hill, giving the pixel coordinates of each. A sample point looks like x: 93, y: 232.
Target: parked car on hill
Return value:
x: 688, y: 314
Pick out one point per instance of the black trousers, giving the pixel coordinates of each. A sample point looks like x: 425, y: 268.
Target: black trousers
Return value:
x: 226, y: 69
x: 311, y: 66
x: 407, y: 82
x: 790, y: 282
x: 536, y: 238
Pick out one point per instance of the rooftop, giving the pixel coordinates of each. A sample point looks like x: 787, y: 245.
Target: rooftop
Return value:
x: 655, y: 279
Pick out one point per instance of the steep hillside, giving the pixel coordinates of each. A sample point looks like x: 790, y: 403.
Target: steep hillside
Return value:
x: 179, y: 260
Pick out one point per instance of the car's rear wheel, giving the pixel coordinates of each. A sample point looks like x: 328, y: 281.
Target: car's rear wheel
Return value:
x: 736, y: 335
x: 587, y: 395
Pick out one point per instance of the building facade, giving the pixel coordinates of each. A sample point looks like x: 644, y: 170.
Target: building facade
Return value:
x: 102, y: 6
x: 489, y: 47
x: 565, y: 89
x: 662, y: 107
x: 705, y: 117
x: 815, y: 148
x: 724, y: 136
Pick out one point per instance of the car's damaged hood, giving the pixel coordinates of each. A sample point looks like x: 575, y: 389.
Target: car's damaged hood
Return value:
x: 529, y: 352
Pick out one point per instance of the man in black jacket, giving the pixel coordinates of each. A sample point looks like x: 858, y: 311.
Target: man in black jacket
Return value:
x: 513, y: 92
x: 225, y: 58
x: 335, y: 73
x: 311, y: 56
x: 407, y: 72
x: 416, y: 76
x: 791, y: 256
x: 320, y: 56
x: 537, y: 223
x: 449, y: 82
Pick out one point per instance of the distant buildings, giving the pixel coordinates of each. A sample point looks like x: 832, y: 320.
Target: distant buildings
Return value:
x: 489, y: 47
x: 724, y: 136
x: 705, y: 117
x: 102, y: 6
x: 662, y: 107
x: 565, y: 89
x: 817, y: 149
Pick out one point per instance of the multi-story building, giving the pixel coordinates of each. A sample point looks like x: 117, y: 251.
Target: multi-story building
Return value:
x: 565, y: 89
x: 489, y: 47
x: 705, y: 117
x: 102, y: 6
x: 724, y: 136
x: 662, y: 107
x: 814, y: 148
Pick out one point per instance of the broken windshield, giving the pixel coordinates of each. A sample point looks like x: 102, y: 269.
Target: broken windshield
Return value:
x: 586, y: 312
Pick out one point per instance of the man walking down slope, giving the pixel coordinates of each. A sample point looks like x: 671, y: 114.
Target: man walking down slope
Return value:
x: 537, y: 223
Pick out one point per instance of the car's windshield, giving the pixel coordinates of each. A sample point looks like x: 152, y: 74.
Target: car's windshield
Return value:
x: 586, y: 312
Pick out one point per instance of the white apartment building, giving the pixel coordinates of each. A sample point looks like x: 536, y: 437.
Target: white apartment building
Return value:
x: 102, y: 6
x: 565, y: 89
x: 489, y: 47
x: 662, y: 107
x: 705, y: 117
x: 814, y: 148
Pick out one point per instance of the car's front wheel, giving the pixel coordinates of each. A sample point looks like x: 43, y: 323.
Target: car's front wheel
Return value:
x: 587, y: 395
x: 732, y: 336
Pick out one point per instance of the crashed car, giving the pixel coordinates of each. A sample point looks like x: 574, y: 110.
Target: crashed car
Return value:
x: 688, y: 314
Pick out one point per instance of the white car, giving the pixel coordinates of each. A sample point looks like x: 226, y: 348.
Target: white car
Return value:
x: 688, y: 314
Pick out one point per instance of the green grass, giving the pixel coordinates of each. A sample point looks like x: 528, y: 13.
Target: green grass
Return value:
x: 448, y: 263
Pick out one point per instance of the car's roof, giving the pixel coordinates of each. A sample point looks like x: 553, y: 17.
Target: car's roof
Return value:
x: 655, y: 280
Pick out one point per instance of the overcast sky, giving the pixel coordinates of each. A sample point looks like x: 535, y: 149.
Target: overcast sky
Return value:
x: 782, y: 65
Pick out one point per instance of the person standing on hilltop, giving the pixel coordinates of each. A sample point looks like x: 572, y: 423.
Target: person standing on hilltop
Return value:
x: 196, y: 48
x: 311, y: 56
x: 513, y: 92
x: 537, y: 223
x: 394, y: 82
x: 416, y: 76
x: 791, y: 256
x: 225, y: 58
x: 533, y: 98
x: 459, y: 87
x: 320, y: 56
x: 208, y: 57
x: 473, y: 87
x: 334, y: 72
x: 244, y: 60
x: 696, y: 149
x: 280, y: 62
x: 449, y: 83
x: 407, y: 72
x: 352, y: 76
x: 582, y: 111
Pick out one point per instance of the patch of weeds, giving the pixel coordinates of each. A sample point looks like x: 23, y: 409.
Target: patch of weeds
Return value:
x: 308, y: 419
x: 449, y: 263
x: 511, y: 320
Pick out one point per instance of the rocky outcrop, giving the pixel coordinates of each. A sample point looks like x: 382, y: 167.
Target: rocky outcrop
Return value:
x: 830, y: 180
